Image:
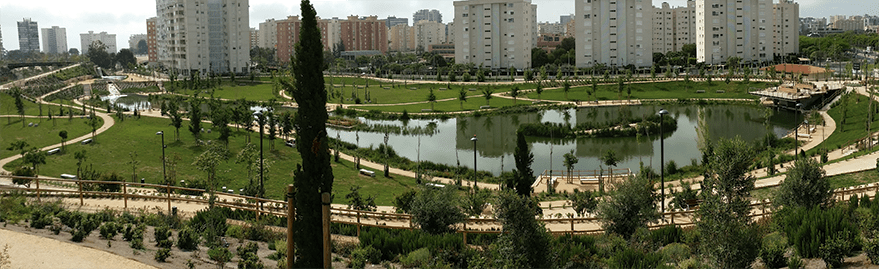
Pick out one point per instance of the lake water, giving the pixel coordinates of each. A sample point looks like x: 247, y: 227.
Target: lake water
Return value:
x: 497, y: 136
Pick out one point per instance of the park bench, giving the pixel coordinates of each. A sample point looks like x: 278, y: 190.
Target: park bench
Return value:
x: 484, y: 107
x: 426, y: 110
x: 87, y: 141
x: 720, y: 91
x: 700, y: 91
x: 435, y: 185
x: 367, y: 172
x: 53, y: 151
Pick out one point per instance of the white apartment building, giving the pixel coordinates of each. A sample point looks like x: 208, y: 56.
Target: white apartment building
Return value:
x: 426, y: 33
x: 614, y: 32
x: 733, y: 28
x: 399, y: 38
x: 203, y: 35
x: 87, y: 39
x: 268, y: 34
x: 663, y: 28
x: 54, y: 40
x: 550, y: 28
x: 450, y: 33
x: 685, y: 25
x: 786, y: 27
x: 495, y: 33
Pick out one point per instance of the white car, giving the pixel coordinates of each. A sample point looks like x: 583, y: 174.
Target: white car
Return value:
x: 290, y: 143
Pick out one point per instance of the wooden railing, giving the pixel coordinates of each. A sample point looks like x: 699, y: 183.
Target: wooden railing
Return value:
x: 575, y: 225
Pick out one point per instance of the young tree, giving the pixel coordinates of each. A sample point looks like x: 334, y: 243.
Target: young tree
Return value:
x: 34, y: 157
x: 195, y: 116
x: 80, y: 157
x: 538, y: 90
x: 431, y: 98
x: 272, y: 129
x: 723, y: 213
x: 462, y: 96
x: 93, y: 122
x: 804, y: 186
x: 570, y: 161
x: 566, y: 86
x: 486, y: 92
x: 631, y: 205
x: 19, y: 146
x: 610, y: 159
x: 436, y: 210
x: 19, y: 104
x: 315, y: 175
x: 529, y: 75
x: 133, y: 162
x: 208, y: 161
x: 524, y: 242
x: 514, y: 92
x: 523, y: 176
x: 583, y: 202
x: 595, y: 89
x: 621, y: 84
x: 173, y: 112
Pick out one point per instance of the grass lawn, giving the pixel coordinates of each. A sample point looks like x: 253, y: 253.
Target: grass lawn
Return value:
x: 43, y: 135
x: 258, y: 92
x: 857, y: 107
x: 405, y: 94
x: 655, y: 90
x: 7, y: 106
x: 472, y: 103
x: 110, y: 153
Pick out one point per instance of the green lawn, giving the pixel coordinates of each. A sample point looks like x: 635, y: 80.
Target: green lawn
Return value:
x: 43, y: 135
x: 655, y: 90
x: 472, y: 103
x: 258, y: 92
x: 110, y: 153
x: 399, y: 93
x: 855, y: 122
x: 7, y: 106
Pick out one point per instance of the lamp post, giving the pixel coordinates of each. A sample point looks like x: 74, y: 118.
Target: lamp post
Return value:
x: 164, y: 176
x: 475, y: 172
x: 260, y: 119
x: 662, y: 113
x: 797, y: 131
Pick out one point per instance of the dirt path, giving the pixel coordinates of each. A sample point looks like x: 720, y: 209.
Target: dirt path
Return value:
x: 30, y: 251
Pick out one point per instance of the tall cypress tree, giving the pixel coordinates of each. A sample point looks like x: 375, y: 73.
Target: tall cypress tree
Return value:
x: 524, y: 176
x: 314, y: 175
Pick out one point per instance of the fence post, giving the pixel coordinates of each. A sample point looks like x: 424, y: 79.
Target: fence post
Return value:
x: 79, y: 182
x: 325, y: 201
x: 465, y: 232
x: 291, y: 215
x: 763, y: 206
x: 673, y: 216
x: 37, y: 179
x: 125, y: 195
x: 169, y: 197
x: 358, y: 223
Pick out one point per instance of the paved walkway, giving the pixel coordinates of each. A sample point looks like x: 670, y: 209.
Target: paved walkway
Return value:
x: 22, y: 81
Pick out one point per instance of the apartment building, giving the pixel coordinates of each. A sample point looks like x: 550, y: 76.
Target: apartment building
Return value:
x: 391, y: 21
x: 288, y: 35
x: 849, y: 25
x: 400, y: 39
x: 268, y: 34
x: 426, y: 33
x: 254, y: 38
x: 733, y: 28
x: 450, y: 33
x: 685, y: 25
x: 550, y: 28
x: 663, y: 28
x: 614, y: 32
x: 152, y: 42
x: 427, y: 15
x: 54, y: 40
x: 207, y: 36
x: 28, y: 36
x: 495, y: 33
x: 786, y: 27
x: 366, y: 33
x: 108, y: 40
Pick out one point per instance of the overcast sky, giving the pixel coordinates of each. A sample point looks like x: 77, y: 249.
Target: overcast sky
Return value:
x: 128, y: 17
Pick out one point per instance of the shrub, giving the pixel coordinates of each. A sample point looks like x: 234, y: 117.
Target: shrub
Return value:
x: 809, y: 229
x: 220, y: 254
x: 403, y: 201
x: 671, y: 167
x: 392, y: 242
x: 633, y: 258
x: 109, y: 230
x: 838, y: 247
x: 436, y: 210
x: 162, y: 233
x: 187, y: 239
x: 78, y: 235
x: 417, y: 258
x: 675, y: 253
x: 249, y: 259
x: 795, y: 262
x: 137, y: 243
x: 162, y: 254
x: 666, y: 235
x: 773, y: 255
x: 368, y: 253
x: 871, y: 248
x: 235, y: 231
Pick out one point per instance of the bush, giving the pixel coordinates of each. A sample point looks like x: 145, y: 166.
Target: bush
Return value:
x: 187, y: 239
x: 220, y: 254
x: 773, y: 255
x: 78, y: 235
x: 249, y: 259
x: 235, y: 231
x: 795, y: 262
x: 675, y: 253
x: 633, y: 258
x: 368, y: 253
x: 137, y: 243
x: 393, y: 242
x: 417, y: 258
x: 162, y: 254
x: 162, y: 233
x: 671, y: 167
x: 809, y: 229
x: 109, y: 230
x: 838, y: 247
x: 871, y: 248
x: 667, y: 235
x: 436, y: 210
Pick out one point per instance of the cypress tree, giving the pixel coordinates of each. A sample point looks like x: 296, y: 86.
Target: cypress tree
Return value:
x: 524, y: 176
x: 314, y: 175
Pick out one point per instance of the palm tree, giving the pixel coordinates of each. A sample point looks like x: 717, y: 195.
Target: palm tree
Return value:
x: 462, y: 96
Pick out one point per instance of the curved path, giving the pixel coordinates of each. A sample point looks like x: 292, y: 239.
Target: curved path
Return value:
x: 31, y: 251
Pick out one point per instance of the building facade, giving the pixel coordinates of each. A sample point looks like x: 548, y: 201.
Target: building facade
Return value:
x: 426, y: 33
x: 614, y: 32
x: 268, y: 34
x: 362, y: 34
x: 391, y: 21
x: 427, y: 15
x: 288, y: 36
x: 399, y: 38
x: 254, y: 38
x: 108, y: 40
x: 733, y: 28
x: 54, y: 40
x: 786, y: 28
x: 28, y: 36
x: 495, y: 33
x: 134, y: 44
x: 673, y: 27
x: 204, y: 36
x: 152, y: 42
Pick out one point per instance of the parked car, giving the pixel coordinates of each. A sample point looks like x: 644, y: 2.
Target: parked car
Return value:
x: 290, y: 143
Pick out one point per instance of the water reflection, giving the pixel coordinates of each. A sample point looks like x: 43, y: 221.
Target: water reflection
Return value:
x: 497, y: 136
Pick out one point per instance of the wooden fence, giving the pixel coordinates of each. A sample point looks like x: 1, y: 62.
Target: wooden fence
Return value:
x: 71, y: 188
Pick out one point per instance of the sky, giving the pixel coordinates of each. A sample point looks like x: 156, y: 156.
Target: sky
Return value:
x: 128, y: 17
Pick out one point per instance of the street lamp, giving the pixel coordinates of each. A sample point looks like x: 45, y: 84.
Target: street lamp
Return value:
x: 662, y: 113
x: 797, y: 129
x: 164, y: 176
x: 260, y: 119
x: 475, y: 172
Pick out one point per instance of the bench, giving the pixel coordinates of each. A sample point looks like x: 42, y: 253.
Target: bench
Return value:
x: 367, y: 173
x: 442, y: 89
x: 435, y: 185
x: 413, y: 88
x: 720, y: 91
x: 53, y: 151
x: 700, y: 91
x: 387, y: 88
x: 68, y: 176
x: 86, y: 142
x: 427, y: 110
x: 472, y: 89
x: 484, y: 107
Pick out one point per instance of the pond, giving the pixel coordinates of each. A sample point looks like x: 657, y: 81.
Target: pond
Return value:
x: 497, y: 136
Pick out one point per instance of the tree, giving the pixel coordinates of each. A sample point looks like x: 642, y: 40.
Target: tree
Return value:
x: 529, y: 75
x: 570, y: 161
x: 583, y: 202
x: 93, y: 122
x: 431, y: 98
x: 566, y: 86
x: 80, y: 157
x: 19, y: 104
x: 133, y: 162
x: 125, y: 58
x: 20, y: 146
x: 514, y: 92
x: 804, y: 186
x: 315, y: 175
x: 486, y: 92
x: 724, y: 211
x: 173, y: 112
x: 208, y: 161
x: 436, y: 210
x: 621, y: 84
x: 358, y: 202
x: 195, y: 116
x: 34, y: 157
x: 610, y: 159
x: 98, y: 55
x: 595, y: 89
x: 524, y: 242
x: 539, y: 90
x: 523, y: 175
x: 631, y: 205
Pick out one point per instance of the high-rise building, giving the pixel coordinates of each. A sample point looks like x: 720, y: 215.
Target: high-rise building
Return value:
x: 367, y: 33
x: 138, y: 44
x: 426, y: 33
x: 391, y: 21
x: 268, y: 34
x: 204, y: 36
x: 2, y: 50
x: 550, y: 28
x: 849, y: 25
x: 835, y: 18
x: 54, y: 40
x: 685, y: 25
x: 495, y: 33
x: 733, y: 28
x: 427, y: 15
x: 786, y: 27
x: 614, y: 32
x: 673, y: 27
x: 450, y: 33
x: 254, y: 38
x: 108, y: 40
x: 399, y: 38
x: 564, y: 19
x: 28, y: 36
x: 288, y: 35
x: 152, y: 45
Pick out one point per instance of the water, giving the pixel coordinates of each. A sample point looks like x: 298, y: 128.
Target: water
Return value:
x: 497, y: 138
x: 132, y: 101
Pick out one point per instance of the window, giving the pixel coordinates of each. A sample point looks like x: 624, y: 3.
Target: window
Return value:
x: 587, y: 16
